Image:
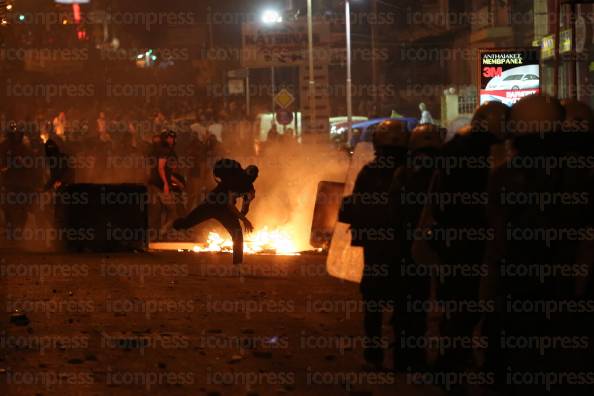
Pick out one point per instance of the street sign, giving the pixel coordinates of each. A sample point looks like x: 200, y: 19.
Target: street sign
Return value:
x: 284, y: 99
x: 284, y: 117
x: 282, y: 44
x: 565, y: 44
x: 237, y: 74
x: 236, y: 87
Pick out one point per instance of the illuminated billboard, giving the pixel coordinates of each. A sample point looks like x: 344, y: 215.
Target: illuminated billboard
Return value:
x: 508, y: 75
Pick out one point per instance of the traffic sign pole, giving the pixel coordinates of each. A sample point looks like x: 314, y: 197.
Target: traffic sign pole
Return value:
x: 273, y: 90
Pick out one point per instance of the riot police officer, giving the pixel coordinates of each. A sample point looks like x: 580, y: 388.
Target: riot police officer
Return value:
x: 537, y: 234
x: 371, y: 229
x: 455, y: 231
x: 408, y: 194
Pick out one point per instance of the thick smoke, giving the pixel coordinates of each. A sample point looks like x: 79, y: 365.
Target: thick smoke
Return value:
x: 285, y: 190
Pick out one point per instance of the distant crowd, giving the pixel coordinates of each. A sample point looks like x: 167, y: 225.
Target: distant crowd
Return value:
x: 44, y: 151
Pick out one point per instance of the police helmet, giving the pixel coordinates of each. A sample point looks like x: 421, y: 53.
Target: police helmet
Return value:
x: 536, y: 114
x: 426, y: 136
x: 491, y: 117
x: 391, y: 133
x: 578, y: 116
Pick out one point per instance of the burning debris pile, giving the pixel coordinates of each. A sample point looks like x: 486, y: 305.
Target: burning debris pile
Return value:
x: 268, y: 242
x: 285, y: 200
x: 278, y: 242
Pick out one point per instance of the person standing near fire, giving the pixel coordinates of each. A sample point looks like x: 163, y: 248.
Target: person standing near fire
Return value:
x: 163, y: 184
x: 16, y: 180
x: 220, y: 204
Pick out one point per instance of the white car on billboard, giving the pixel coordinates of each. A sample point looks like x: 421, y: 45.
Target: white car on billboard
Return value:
x: 521, y: 77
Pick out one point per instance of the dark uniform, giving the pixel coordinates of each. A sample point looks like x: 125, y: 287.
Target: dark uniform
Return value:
x: 540, y: 251
x: 459, y: 238
x: 17, y: 176
x: 220, y: 204
x: 409, y: 187
x: 60, y: 171
x: 371, y: 228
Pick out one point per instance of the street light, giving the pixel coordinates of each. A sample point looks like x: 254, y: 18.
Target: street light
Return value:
x: 270, y: 18
x: 349, y: 81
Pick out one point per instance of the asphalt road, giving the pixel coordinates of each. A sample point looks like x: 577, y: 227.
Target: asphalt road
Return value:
x: 182, y: 324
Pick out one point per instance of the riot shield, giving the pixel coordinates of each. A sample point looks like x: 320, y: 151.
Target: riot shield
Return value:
x: 345, y: 261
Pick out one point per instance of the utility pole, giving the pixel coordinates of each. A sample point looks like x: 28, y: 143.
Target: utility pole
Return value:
x: 349, y: 81
x: 573, y: 86
x: 374, y: 70
x: 557, y: 42
x: 273, y: 87
x: 312, y: 81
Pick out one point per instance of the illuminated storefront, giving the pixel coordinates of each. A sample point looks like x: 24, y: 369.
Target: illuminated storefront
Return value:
x: 566, y: 70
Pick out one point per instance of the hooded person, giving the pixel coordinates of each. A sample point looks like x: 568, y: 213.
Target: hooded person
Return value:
x: 234, y: 183
x: 367, y: 211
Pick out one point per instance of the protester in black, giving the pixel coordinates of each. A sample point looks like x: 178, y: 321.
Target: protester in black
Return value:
x: 220, y: 204
x: 58, y: 163
x: 16, y: 180
x: 162, y: 182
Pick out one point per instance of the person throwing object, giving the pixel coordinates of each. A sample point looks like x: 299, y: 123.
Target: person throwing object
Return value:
x: 234, y: 182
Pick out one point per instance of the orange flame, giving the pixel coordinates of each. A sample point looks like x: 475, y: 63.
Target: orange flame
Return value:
x: 276, y: 241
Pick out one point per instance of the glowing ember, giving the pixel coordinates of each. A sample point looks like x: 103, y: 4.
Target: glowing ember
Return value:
x: 263, y: 241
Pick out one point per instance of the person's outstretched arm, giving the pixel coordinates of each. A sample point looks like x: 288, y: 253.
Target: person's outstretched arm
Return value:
x: 247, y: 200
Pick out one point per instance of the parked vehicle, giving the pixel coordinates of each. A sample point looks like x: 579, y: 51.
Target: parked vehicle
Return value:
x: 363, y: 131
x: 338, y: 125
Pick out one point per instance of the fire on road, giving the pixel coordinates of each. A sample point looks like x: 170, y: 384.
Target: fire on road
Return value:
x: 265, y: 241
